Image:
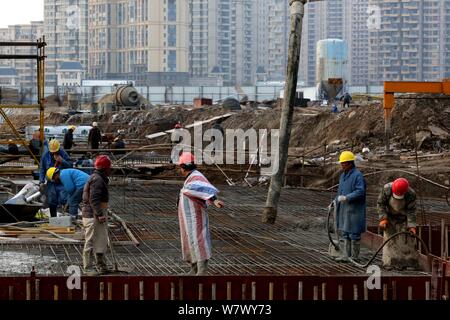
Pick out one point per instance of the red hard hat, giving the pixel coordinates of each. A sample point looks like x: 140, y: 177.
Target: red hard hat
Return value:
x: 102, y: 162
x: 399, y: 188
x: 186, y: 158
x: 177, y: 126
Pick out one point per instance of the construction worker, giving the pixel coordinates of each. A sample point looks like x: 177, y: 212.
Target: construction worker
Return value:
x: 95, y: 215
x: 346, y: 98
x: 118, y: 144
x: 396, y: 208
x: 95, y: 136
x: 58, y: 158
x: 73, y: 181
x: 197, y: 193
x: 68, y: 138
x: 351, y: 207
x: 12, y: 148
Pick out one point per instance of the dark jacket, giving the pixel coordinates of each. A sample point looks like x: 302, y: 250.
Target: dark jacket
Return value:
x: 95, y: 137
x: 384, y: 209
x: 95, y: 195
x: 68, y: 140
x: 351, y: 214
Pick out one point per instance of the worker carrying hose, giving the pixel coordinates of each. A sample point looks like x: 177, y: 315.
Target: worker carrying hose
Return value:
x: 95, y: 216
x: 197, y: 193
x: 58, y: 158
x: 396, y: 208
x: 73, y: 181
x: 351, y: 207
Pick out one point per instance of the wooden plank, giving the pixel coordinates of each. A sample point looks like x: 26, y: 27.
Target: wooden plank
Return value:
x: 300, y: 290
x: 156, y: 290
x: 85, y: 292
x: 102, y: 291
x: 141, y: 290
x: 37, y: 289
x: 126, y: 292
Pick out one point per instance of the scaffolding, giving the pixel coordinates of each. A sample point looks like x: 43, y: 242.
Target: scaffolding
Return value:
x: 40, y: 45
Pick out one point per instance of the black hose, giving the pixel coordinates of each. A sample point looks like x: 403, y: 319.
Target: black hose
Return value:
x: 336, y: 246
x: 331, y: 207
x: 385, y: 242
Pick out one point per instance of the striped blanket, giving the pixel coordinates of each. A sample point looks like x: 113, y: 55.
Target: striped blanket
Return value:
x: 195, y: 196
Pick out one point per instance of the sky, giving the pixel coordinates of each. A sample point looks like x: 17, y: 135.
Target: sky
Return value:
x: 20, y: 11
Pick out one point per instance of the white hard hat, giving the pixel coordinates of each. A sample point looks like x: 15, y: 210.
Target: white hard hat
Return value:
x: 94, y: 124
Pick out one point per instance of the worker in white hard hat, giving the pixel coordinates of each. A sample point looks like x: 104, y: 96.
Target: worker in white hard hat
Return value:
x: 56, y: 157
x: 351, y: 207
x: 95, y: 137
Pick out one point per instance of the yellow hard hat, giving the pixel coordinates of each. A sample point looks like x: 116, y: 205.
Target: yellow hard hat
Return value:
x: 51, y: 172
x: 346, y: 156
x: 54, y: 145
x: 72, y: 127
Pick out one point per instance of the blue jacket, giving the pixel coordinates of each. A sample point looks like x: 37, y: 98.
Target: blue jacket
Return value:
x: 73, y: 179
x: 48, y: 161
x: 351, y: 214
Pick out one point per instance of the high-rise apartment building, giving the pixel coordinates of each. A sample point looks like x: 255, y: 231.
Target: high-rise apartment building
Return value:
x: 223, y: 40
x: 66, y: 31
x: 25, y: 68
x: 278, y: 38
x: 146, y: 41
x: 336, y: 19
x: 411, y: 42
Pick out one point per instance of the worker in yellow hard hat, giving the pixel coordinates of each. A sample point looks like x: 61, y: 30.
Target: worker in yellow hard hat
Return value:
x: 351, y: 207
x: 68, y: 138
x: 56, y: 157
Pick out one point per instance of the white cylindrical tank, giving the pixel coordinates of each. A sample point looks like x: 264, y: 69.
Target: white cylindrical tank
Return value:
x: 332, y: 66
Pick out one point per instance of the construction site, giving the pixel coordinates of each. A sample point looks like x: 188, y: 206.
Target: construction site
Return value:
x: 402, y: 133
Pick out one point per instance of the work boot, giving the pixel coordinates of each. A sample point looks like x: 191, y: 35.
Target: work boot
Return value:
x: 346, y: 252
x: 356, y: 245
x: 102, y: 268
x: 193, y: 270
x: 202, y: 268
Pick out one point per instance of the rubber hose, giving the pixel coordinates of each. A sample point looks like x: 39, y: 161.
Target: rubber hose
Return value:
x: 331, y: 207
x: 385, y: 242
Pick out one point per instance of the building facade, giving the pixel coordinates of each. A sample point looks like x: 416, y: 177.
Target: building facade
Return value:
x: 412, y: 41
x: 223, y: 41
x: 26, y: 69
x: 146, y: 41
x: 66, y: 32
x: 336, y: 19
x: 278, y: 38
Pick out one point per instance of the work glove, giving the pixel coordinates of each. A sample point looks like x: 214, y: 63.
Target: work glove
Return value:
x: 412, y: 230
x: 383, y: 224
x: 342, y: 199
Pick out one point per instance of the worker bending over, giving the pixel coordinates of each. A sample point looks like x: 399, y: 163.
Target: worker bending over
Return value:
x: 396, y: 208
x: 95, y: 215
x: 195, y: 196
x: 351, y: 207
x: 73, y: 181
x: 58, y: 158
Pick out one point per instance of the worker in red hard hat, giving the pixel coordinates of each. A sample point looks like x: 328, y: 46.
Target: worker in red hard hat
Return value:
x: 396, y: 207
x: 95, y: 216
x: 195, y: 196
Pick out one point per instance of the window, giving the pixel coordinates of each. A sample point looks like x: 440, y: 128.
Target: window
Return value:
x: 172, y: 61
x: 172, y: 35
x: 172, y: 10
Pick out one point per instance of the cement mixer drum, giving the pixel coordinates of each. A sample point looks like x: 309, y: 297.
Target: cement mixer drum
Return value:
x: 127, y: 96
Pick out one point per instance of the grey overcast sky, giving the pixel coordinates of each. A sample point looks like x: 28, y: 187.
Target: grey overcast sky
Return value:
x: 20, y: 11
